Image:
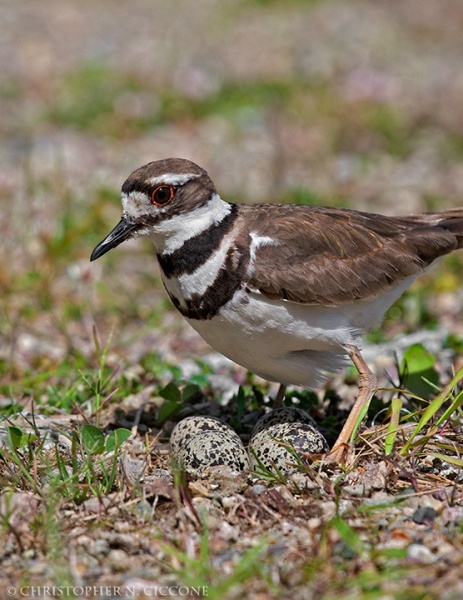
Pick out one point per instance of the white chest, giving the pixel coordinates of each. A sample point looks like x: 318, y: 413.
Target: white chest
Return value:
x: 280, y: 341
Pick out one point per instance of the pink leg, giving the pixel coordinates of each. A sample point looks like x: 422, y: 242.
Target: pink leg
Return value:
x: 367, y: 387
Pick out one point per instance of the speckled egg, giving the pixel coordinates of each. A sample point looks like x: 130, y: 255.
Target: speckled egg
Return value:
x: 198, y: 443
x: 285, y: 414
x: 268, y: 446
x: 189, y: 427
x: 212, y: 449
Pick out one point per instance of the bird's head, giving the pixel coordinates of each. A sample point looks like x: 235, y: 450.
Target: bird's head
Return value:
x: 162, y: 199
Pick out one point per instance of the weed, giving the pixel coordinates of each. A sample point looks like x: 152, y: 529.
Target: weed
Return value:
x: 195, y: 568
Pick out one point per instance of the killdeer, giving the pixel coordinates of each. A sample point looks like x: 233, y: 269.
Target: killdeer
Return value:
x: 285, y: 291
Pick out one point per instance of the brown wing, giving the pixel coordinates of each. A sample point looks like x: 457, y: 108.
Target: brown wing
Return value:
x: 330, y: 256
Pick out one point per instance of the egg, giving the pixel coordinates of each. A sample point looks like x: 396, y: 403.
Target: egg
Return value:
x: 285, y: 414
x: 212, y: 449
x: 191, y: 426
x: 269, y: 444
x: 199, y: 443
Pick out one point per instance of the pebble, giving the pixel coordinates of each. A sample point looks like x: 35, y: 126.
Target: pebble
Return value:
x: 119, y: 560
x: 424, y: 514
x: 420, y: 553
x: 258, y: 489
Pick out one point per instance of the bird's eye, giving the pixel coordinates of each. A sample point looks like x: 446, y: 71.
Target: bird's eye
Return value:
x: 162, y: 195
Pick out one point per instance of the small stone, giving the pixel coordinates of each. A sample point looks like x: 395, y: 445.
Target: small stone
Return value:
x: 424, y: 514
x: 299, y: 482
x: 285, y: 493
x: 132, y: 468
x: 258, y: 489
x: 420, y: 553
x: 230, y: 502
x: 357, y: 490
x: 100, y: 547
x: 345, y: 506
x: 314, y: 523
x: 20, y: 508
x: 118, y: 559
x: 36, y: 567
x: 84, y: 540
x: 122, y: 526
x: 144, y: 509
x: 329, y: 509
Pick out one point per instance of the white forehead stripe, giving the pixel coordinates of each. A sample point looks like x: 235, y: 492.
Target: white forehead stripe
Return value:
x: 173, y: 178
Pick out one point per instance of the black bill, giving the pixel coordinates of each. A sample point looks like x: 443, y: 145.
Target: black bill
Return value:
x: 123, y: 231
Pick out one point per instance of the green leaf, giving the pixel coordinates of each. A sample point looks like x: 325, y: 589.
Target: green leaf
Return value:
x: 92, y: 439
x: 431, y: 411
x: 116, y: 438
x: 171, y: 392
x: 418, y: 359
x: 28, y: 438
x: 347, y: 534
x: 398, y: 553
x: 167, y: 410
x: 190, y: 390
x: 455, y: 405
x: 16, y: 436
x: 392, y: 428
x: 450, y: 459
x: 417, y: 366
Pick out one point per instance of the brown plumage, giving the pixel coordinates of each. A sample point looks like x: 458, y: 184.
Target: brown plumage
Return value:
x: 332, y: 256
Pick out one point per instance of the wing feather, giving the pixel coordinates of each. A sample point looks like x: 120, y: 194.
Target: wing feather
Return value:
x: 332, y: 256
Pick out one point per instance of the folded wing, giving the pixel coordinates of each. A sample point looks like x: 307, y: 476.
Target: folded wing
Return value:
x: 332, y: 256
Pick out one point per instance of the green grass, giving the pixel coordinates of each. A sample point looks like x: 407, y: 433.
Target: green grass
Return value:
x: 93, y: 98
x: 100, y: 99
x: 198, y: 571
x: 85, y: 468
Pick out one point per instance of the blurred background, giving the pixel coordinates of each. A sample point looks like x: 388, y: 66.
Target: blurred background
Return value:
x: 354, y: 103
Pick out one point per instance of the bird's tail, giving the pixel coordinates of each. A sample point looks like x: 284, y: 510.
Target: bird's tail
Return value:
x: 452, y: 220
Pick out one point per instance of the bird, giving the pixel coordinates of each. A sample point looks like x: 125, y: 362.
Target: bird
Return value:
x: 286, y: 291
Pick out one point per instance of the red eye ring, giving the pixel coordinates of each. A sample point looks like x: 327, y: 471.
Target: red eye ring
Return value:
x: 162, y: 195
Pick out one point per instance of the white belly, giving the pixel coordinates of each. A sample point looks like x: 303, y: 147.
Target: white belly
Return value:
x: 288, y: 342
x: 284, y: 342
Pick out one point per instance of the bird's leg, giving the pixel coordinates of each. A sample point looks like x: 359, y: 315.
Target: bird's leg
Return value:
x: 367, y: 387
x: 278, y: 403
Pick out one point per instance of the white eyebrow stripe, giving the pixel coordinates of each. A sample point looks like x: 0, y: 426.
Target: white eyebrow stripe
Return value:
x: 173, y: 178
